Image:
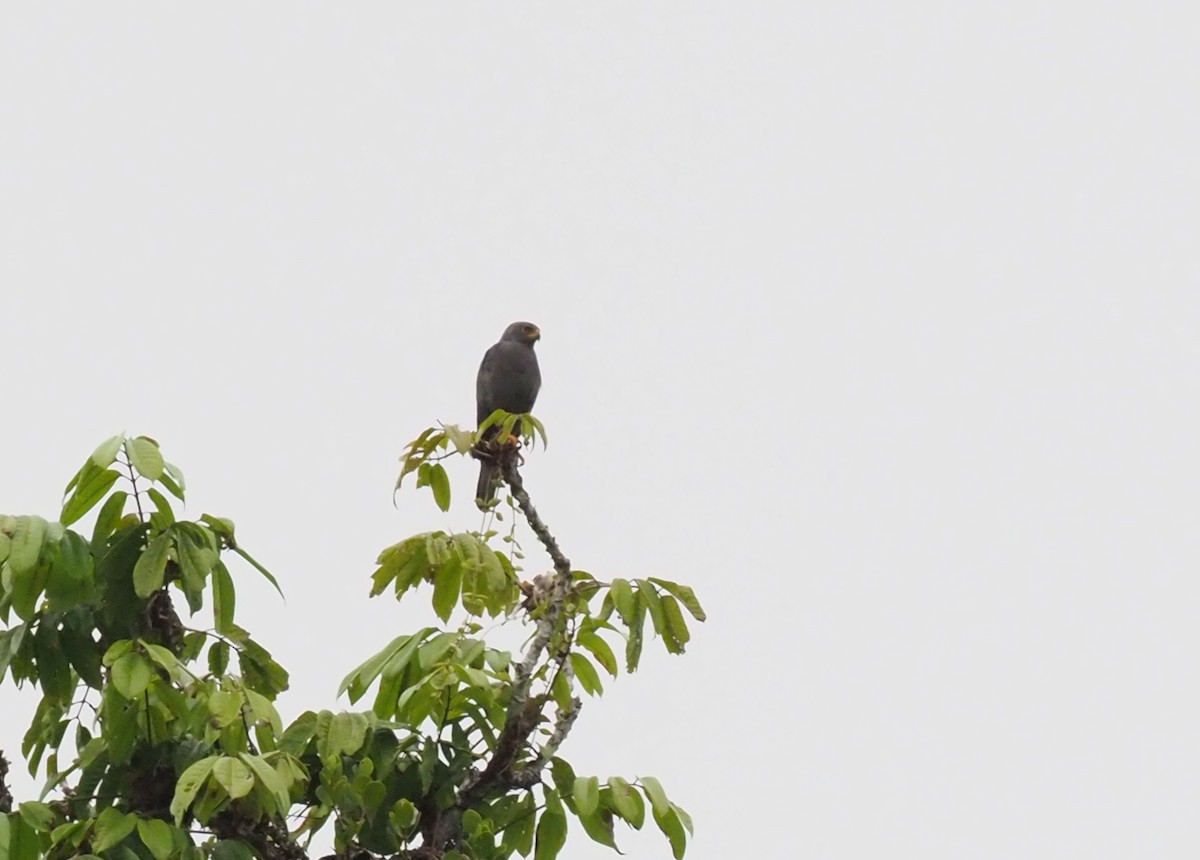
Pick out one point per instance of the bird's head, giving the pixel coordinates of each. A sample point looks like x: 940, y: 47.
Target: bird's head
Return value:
x: 522, y: 332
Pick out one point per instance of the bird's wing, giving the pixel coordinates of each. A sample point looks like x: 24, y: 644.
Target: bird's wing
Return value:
x: 485, y: 385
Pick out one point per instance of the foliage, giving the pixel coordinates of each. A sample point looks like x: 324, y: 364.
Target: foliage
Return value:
x: 159, y: 741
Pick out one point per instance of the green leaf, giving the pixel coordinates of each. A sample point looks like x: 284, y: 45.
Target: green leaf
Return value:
x: 232, y: 849
x: 347, y: 731
x: 157, y: 836
x: 535, y: 428
x: 39, y: 816
x: 93, y: 486
x: 471, y: 822
x: 259, y: 671
x: 171, y: 487
x: 600, y: 650
x: 560, y: 691
x: 224, y: 598
x: 111, y: 827
x: 404, y: 814
x: 362, y: 676
x: 266, y: 573
x: 497, y: 661
x: 263, y: 711
x: 429, y: 760
x: 655, y: 794
x: 233, y: 776
x: 432, y: 651
x: 417, y: 451
x: 150, y: 570
x: 517, y: 830
x: 120, y: 730
x: 166, y: 516
x: 497, y: 417
x: 89, y: 779
x: 624, y: 599
x: 172, y: 479
x: 394, y: 672
x: 69, y: 834
x: 648, y: 595
x: 110, y: 514
x: 81, y: 650
x: 143, y: 453
x: 439, y: 482
x: 117, y: 650
x: 54, y: 671
x: 626, y: 802
x: 270, y: 779
x: 437, y: 548
x: 26, y: 545
x: 225, y: 707
x: 218, y: 658
x: 685, y: 596
x: 670, y: 824
x: 10, y: 644
x: 72, y: 578
x: 373, y: 794
x: 677, y: 631
x: 171, y: 703
x: 633, y: 646
x: 685, y: 818
x: 24, y: 589
x: 447, y: 585
x: 163, y: 657
x: 599, y: 826
x: 404, y: 562
x: 196, y: 551
x: 222, y: 527
x: 588, y: 677
x: 586, y: 794
x: 104, y: 456
x: 23, y: 840
x: 131, y: 675
x: 462, y: 440
x: 551, y: 829
x: 509, y: 425
x: 298, y: 734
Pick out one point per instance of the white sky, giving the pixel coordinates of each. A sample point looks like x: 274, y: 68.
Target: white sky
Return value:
x: 875, y: 323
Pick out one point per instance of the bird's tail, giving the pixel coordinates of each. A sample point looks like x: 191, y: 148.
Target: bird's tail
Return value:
x: 489, y: 477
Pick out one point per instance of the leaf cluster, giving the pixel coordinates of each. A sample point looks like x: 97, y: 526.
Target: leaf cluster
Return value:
x: 160, y: 741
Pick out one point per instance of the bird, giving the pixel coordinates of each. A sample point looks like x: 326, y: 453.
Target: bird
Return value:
x: 508, y: 379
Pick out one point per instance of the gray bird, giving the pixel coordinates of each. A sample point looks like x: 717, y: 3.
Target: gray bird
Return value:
x: 508, y: 379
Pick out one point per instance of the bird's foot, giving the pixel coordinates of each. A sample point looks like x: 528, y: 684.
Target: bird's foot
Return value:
x: 514, y: 441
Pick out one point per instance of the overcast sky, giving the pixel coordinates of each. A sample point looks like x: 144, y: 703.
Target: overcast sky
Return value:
x: 876, y: 323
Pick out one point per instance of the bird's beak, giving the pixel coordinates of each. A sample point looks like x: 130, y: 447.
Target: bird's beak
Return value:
x: 537, y: 333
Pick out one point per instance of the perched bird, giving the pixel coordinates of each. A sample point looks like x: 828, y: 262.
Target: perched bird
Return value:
x: 508, y: 379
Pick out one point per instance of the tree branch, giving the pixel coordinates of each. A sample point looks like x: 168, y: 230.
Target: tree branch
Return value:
x: 548, y: 598
x: 508, y: 468
x: 6, y: 798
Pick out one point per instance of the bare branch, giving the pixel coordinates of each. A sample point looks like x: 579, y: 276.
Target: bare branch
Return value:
x: 508, y: 468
